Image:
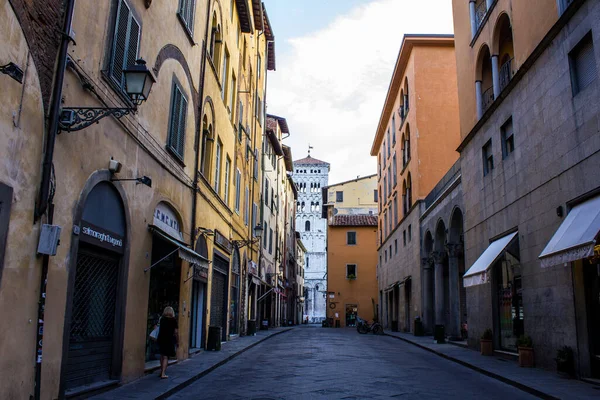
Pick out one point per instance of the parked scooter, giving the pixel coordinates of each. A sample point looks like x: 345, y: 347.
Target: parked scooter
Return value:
x: 363, y: 327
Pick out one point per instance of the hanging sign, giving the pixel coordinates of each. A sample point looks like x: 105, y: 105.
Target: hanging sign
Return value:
x: 200, y: 273
x: 101, y: 237
x: 222, y: 242
x: 166, y: 219
x: 252, y: 268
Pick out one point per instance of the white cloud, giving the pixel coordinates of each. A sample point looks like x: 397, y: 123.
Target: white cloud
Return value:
x: 331, y: 85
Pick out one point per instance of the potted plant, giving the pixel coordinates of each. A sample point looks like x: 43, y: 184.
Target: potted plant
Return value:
x: 351, y: 277
x: 526, y: 356
x: 487, y: 347
x: 565, y: 362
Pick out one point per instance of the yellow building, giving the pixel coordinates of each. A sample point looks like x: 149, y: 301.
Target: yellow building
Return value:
x: 147, y: 198
x: 351, y: 211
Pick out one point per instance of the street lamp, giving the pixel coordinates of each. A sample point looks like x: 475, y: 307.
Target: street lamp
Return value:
x: 138, y: 83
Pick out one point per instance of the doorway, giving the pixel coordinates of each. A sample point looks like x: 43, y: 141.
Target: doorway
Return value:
x: 218, y: 308
x: 197, y: 315
x: 351, y: 313
x: 591, y: 273
x: 407, y: 304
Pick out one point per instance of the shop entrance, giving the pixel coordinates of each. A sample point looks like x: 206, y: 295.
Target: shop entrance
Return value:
x: 94, y: 352
x: 407, y: 304
x: 218, y: 308
x: 235, y: 293
x: 351, y: 313
x: 591, y: 272
x: 509, y: 297
x: 198, y: 301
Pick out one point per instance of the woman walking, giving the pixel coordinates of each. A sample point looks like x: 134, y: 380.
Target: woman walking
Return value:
x: 167, y: 339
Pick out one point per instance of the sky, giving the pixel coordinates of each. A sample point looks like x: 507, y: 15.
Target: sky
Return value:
x: 335, y: 59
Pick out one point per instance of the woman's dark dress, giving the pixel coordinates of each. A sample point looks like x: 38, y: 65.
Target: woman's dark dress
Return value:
x: 166, y: 336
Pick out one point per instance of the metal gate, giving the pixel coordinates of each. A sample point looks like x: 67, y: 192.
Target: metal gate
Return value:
x: 218, y: 308
x: 93, y: 318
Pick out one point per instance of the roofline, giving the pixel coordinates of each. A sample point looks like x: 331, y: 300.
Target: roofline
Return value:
x: 409, y: 41
x: 282, y: 123
x: 351, y: 180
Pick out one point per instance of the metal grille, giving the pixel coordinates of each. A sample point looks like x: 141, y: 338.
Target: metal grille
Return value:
x: 218, y: 299
x: 94, y: 297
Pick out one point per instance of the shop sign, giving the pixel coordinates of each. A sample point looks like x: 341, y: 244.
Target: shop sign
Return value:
x: 101, y: 237
x: 200, y: 273
x: 166, y: 219
x: 252, y: 268
x: 222, y: 242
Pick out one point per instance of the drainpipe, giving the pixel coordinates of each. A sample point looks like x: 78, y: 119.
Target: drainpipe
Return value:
x: 42, y: 204
x: 199, y: 127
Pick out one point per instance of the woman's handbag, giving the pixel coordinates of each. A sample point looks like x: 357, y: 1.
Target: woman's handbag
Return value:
x: 154, y: 333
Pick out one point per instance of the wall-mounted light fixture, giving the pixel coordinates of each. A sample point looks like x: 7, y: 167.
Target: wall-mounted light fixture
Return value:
x: 138, y: 83
x: 11, y: 69
x: 258, y: 232
x: 144, y: 180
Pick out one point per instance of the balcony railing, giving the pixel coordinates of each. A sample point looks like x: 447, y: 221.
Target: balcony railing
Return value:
x: 506, y: 73
x: 487, y: 98
x: 480, y: 13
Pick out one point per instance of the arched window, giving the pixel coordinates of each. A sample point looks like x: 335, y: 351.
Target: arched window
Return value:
x: 312, y: 206
x: 503, y: 42
x: 484, y: 82
x: 407, y: 143
x: 403, y: 144
x: 208, y: 141
x: 307, y: 226
x: 317, y: 208
x: 401, y: 109
x: 408, y: 192
x: 303, y: 207
x: 215, y: 40
x: 406, y: 97
x: 404, y: 202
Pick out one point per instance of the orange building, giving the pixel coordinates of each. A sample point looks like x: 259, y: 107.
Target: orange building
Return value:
x: 351, y: 268
x: 415, y: 143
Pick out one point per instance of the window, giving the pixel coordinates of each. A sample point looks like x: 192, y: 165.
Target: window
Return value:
x: 176, y: 135
x: 125, y: 44
x: 339, y: 197
x: 227, y: 172
x: 186, y: 13
x: 394, y: 129
x: 351, y: 238
x: 404, y: 237
x: 215, y: 40
x: 217, y: 185
x: 395, y: 170
x: 307, y: 226
x: 254, y: 215
x: 247, y: 206
x: 385, y: 186
x: 265, y: 238
x: 225, y: 75
x: 306, y: 262
x: 385, y: 223
x: 375, y: 197
x: 270, y: 240
x: 238, y: 182
x: 351, y: 271
x: 231, y: 101
x: 396, y: 246
x: 488, y: 158
x: 583, y: 64
x: 396, y: 209
x: 390, y: 251
x: 385, y: 253
x: 388, y: 141
x: 508, y: 141
x: 272, y: 198
x: 256, y: 164
x: 409, y: 233
x: 266, y: 192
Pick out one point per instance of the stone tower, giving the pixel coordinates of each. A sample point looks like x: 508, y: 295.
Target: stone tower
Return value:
x: 310, y: 176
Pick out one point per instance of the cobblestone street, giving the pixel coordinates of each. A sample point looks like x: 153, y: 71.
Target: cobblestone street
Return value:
x: 317, y: 363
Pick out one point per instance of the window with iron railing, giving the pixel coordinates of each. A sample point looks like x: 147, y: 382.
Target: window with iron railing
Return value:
x: 487, y: 98
x: 506, y: 73
x: 481, y: 10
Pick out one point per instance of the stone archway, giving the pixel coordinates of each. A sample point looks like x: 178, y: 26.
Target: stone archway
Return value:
x: 456, y: 269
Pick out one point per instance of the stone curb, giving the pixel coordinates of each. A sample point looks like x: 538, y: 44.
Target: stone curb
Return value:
x: 518, y: 385
x: 208, y: 370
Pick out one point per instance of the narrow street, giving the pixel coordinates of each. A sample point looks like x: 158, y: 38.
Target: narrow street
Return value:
x: 315, y: 363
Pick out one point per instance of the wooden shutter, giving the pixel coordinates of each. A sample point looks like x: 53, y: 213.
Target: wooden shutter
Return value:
x: 585, y: 64
x: 125, y: 43
x: 178, y: 121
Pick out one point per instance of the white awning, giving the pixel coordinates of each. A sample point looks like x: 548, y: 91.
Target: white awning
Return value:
x: 575, y: 237
x: 184, y: 252
x: 478, y: 273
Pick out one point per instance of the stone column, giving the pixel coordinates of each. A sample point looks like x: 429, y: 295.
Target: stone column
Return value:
x: 473, y: 18
x: 454, y: 252
x: 496, y: 76
x: 438, y: 259
x: 427, y: 263
x: 479, y: 99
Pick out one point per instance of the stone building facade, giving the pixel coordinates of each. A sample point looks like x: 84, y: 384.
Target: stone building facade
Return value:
x: 310, y: 176
x: 530, y: 153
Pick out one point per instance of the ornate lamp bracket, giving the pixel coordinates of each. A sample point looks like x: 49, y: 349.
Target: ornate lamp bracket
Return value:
x: 78, y: 118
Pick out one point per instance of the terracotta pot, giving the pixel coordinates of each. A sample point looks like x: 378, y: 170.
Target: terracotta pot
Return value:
x: 526, y: 357
x: 487, y: 348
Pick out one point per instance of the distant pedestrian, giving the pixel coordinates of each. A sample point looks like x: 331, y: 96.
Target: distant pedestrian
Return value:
x: 167, y: 339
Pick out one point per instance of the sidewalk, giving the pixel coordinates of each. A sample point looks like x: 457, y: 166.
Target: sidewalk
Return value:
x: 188, y: 371
x: 541, y: 383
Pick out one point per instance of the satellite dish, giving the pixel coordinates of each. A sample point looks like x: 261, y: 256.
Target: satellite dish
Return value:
x: 335, y: 211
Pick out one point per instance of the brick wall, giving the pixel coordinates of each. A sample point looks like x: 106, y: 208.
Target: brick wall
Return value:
x: 41, y: 21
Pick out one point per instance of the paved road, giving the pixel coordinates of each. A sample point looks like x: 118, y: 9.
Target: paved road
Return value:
x: 319, y: 363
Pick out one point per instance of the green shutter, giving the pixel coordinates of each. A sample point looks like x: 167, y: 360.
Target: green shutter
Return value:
x: 176, y: 139
x: 120, y: 43
x: 182, y: 120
